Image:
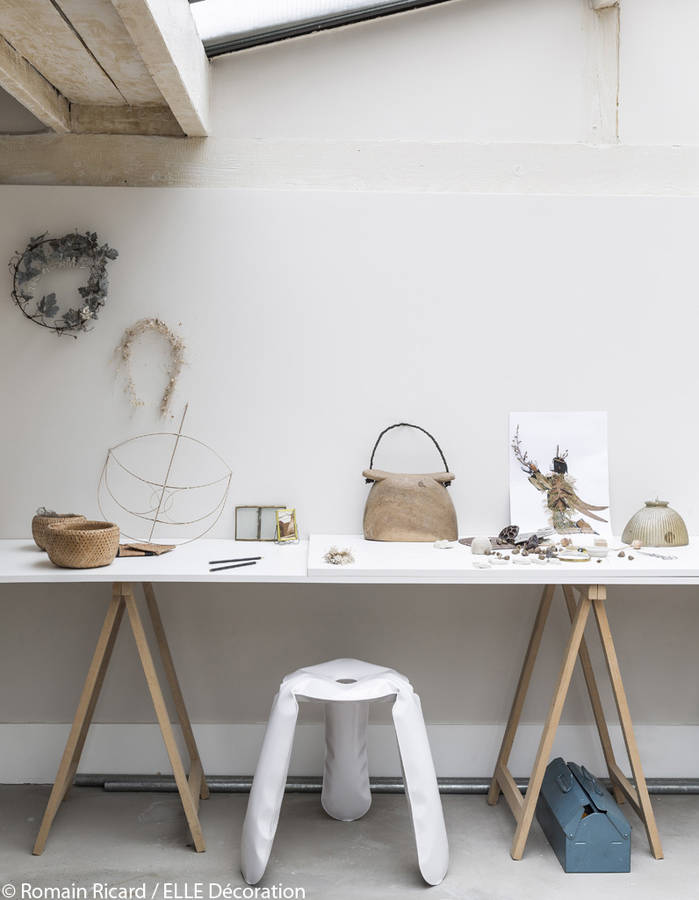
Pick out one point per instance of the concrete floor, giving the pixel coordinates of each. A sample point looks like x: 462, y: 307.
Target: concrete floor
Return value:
x: 131, y: 839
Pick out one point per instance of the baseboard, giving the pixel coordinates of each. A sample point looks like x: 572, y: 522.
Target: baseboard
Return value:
x: 31, y: 752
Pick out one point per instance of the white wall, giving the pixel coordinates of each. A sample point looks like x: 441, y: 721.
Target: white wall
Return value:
x: 447, y: 308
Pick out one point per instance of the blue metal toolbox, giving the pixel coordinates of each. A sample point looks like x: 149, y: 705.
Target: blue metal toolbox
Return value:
x: 582, y: 821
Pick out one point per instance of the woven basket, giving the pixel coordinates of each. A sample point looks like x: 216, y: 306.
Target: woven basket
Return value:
x: 41, y: 523
x: 85, y: 545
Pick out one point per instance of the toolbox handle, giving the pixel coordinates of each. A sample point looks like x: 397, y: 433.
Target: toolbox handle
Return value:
x: 593, y: 781
x: 565, y: 784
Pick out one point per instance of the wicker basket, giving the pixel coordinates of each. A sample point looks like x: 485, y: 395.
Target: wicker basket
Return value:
x: 85, y: 545
x: 41, y: 523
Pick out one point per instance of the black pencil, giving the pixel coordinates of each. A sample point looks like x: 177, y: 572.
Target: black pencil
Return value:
x: 216, y: 562
x: 239, y: 565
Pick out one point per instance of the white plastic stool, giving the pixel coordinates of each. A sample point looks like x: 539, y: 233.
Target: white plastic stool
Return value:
x: 346, y: 686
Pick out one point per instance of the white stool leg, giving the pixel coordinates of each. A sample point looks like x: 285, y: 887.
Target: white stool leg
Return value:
x: 346, y: 795
x: 268, y: 785
x: 421, y: 788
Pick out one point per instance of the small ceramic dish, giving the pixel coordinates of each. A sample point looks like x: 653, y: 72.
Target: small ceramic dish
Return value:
x: 598, y: 551
x: 576, y: 554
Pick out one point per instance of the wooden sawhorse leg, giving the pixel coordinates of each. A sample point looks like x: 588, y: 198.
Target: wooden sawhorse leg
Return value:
x: 523, y: 807
x: 190, y: 788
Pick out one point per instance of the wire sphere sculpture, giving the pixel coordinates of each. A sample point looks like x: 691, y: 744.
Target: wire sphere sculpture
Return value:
x: 144, y: 490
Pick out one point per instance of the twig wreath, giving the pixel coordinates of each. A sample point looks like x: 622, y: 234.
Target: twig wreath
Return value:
x: 176, y: 362
x: 82, y: 251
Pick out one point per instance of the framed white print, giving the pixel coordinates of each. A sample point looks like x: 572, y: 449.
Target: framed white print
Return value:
x: 559, y: 472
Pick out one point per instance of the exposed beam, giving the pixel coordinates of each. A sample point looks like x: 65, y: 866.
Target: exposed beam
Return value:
x: 402, y: 166
x: 38, y: 30
x: 166, y: 37
x: 123, y: 120
x: 100, y: 27
x: 32, y: 90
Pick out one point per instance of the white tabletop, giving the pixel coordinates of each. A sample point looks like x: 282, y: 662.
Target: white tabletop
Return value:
x: 376, y: 562
x: 22, y: 561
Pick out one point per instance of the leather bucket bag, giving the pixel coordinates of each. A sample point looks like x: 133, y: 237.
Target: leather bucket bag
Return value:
x: 409, y: 507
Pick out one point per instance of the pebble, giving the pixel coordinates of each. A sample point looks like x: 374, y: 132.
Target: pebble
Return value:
x: 630, y: 557
x: 636, y: 544
x: 621, y: 553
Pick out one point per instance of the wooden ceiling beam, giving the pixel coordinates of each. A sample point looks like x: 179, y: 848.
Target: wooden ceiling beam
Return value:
x: 32, y: 90
x: 154, y: 120
x: 38, y: 30
x: 105, y: 36
x: 167, y: 39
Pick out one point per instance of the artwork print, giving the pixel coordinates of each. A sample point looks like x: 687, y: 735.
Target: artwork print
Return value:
x: 559, y: 472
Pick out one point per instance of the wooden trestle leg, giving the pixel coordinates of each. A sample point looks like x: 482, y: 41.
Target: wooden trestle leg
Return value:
x: 190, y: 788
x: 524, y: 807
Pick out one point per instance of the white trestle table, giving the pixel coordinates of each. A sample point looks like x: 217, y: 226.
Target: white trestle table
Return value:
x: 375, y: 563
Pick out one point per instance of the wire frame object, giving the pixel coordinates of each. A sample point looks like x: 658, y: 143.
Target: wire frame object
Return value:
x: 157, y: 491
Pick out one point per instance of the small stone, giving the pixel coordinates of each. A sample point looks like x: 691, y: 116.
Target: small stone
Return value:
x: 636, y: 544
x: 507, y: 557
x: 599, y: 560
x: 525, y: 553
x: 481, y: 545
x: 621, y: 553
x: 566, y: 542
x: 516, y: 551
x: 630, y: 557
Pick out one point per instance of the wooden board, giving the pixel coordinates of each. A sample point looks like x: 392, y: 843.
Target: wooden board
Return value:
x: 32, y: 90
x: 167, y: 39
x: 123, y: 120
x: 36, y: 29
x: 99, y: 25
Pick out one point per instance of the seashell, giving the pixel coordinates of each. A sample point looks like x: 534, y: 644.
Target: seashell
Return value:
x: 656, y: 525
x: 481, y: 546
x: 508, y: 534
x: 636, y: 544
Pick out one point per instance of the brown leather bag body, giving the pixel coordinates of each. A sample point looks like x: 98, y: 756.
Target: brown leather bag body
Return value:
x: 403, y: 507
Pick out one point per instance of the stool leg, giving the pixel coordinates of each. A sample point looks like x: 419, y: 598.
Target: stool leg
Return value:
x: 421, y: 788
x: 268, y: 785
x: 346, y: 794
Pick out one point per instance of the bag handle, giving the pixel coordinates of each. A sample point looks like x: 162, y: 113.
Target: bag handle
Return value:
x: 406, y: 425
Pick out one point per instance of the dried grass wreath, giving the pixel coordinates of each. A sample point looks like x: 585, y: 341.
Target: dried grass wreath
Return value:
x: 74, y: 251
x: 177, y: 351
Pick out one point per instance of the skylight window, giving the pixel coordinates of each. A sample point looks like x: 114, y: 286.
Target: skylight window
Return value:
x: 228, y: 25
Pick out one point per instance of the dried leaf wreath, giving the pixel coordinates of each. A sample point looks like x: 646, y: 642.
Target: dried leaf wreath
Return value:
x: 80, y: 251
x: 177, y: 350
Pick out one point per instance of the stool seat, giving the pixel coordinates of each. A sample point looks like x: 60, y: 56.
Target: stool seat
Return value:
x: 346, y: 687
